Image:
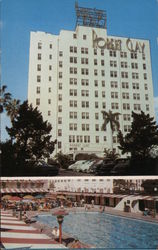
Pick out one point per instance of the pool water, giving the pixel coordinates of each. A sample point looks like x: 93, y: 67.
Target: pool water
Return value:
x: 108, y: 231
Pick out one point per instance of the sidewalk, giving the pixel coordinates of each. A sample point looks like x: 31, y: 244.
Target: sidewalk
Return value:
x: 17, y: 234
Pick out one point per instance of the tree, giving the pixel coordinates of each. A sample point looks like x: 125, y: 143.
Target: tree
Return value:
x: 12, y: 108
x: 111, y: 154
x: 4, y: 98
x: 142, y: 137
x: 30, y: 135
x: 110, y: 118
x: 63, y: 159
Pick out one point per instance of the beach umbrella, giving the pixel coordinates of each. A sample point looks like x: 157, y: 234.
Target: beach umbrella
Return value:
x: 28, y: 197
x: 28, y: 201
x: 6, y: 197
x: 14, y: 198
x: 39, y: 196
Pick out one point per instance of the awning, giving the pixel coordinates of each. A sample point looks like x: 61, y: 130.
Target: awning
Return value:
x: 23, y: 190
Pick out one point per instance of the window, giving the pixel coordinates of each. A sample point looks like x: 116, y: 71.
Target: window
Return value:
x: 38, y: 67
x: 74, y: 36
x: 84, y: 92
x: 96, y: 93
x: 114, y: 105
x: 103, y: 105
x: 73, y: 103
x: 134, y: 65
x: 50, y: 67
x: 145, y: 76
x: 59, y: 108
x: 96, y: 127
x: 85, y: 104
x: 103, y: 94
x: 85, y: 82
x: 136, y: 96
x: 102, y: 52
x: 123, y: 54
x: 127, y: 128
x: 60, y: 64
x: 113, y: 73
x: 112, y: 53
x: 96, y: 105
x: 38, y: 78
x: 39, y: 57
x: 126, y: 117
x: 50, y: 46
x: 103, y: 83
x: 135, y: 75
x: 114, y: 84
x: 84, y: 60
x: 126, y: 106
x: 73, y: 70
x: 84, y: 71
x: 102, y: 63
x: 84, y: 50
x: 50, y: 56
x: 125, y: 85
x: 146, y: 86
x: 96, y: 116
x: 37, y: 101
x: 60, y: 74
x: 38, y: 90
x: 137, y: 107
x: 60, y: 53
x: 124, y: 74
x: 114, y: 94
x: 86, y: 138
x: 84, y: 37
x: 143, y: 56
x: 97, y: 139
x: 60, y: 85
x: 123, y: 64
x: 39, y: 45
x: 104, y: 139
x: 96, y: 83
x: 85, y: 127
x: 59, y: 144
x: 73, y: 81
x: 49, y: 89
x: 49, y: 78
x: 147, y: 107
x: 85, y: 115
x: 60, y: 97
x: 146, y: 97
x: 95, y: 72
x: 59, y: 132
x: 71, y: 138
x: 49, y: 112
x: 135, y: 85
x: 133, y: 55
x: 73, y: 115
x: 49, y: 101
x: 73, y: 59
x: 125, y: 95
x: 73, y: 126
x: 59, y: 120
x: 95, y: 62
x: 113, y: 63
x: 73, y: 92
x: 103, y: 72
x: 95, y: 51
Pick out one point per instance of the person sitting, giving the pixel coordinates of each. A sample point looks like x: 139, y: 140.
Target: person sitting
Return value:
x: 55, y: 232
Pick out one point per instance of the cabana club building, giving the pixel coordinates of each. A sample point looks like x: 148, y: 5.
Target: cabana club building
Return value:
x: 76, y: 75
x: 102, y: 191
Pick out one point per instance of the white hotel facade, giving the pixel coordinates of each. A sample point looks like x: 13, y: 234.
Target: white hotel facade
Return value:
x: 77, y: 74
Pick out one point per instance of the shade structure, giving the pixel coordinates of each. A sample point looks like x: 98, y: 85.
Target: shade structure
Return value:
x: 15, y: 198
x: 62, y: 197
x: 6, y: 197
x: 28, y: 197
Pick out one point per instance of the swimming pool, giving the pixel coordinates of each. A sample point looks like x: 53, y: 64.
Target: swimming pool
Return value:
x: 108, y: 231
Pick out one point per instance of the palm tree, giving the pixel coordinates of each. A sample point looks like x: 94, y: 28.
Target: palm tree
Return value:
x: 4, y: 98
x: 12, y: 108
x: 110, y: 118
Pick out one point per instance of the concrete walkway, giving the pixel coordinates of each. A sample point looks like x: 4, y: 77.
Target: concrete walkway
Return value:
x: 17, y: 234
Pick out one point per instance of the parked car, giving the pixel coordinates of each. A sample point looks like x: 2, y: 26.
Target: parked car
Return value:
x: 105, y: 167
x: 121, y: 167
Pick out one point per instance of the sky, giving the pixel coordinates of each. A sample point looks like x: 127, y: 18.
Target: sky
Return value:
x: 128, y: 18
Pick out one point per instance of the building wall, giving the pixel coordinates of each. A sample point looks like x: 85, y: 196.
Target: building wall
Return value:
x: 84, y: 184
x: 83, y: 72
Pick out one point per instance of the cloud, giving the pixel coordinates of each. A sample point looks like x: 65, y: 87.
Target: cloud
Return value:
x: 156, y: 107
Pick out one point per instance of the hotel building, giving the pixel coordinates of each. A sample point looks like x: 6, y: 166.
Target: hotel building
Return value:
x: 76, y: 75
